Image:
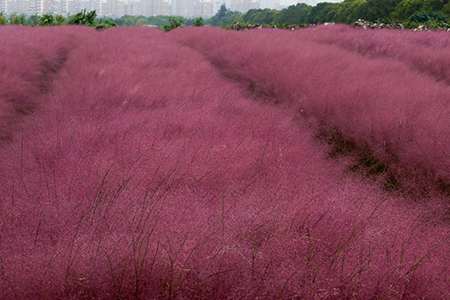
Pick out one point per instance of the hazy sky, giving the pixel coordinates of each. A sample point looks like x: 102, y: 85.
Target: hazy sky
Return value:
x: 309, y: 2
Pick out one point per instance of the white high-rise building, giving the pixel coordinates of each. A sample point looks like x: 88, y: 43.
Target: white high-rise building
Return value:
x: 241, y: 5
x: 192, y: 8
x: 160, y: 7
x: 3, y: 6
x: 116, y: 8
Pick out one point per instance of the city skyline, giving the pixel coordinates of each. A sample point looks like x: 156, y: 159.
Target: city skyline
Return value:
x: 118, y: 8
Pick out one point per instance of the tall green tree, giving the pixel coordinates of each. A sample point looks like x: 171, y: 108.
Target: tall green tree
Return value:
x: 141, y: 22
x: 379, y: 9
x: 17, y: 19
x: 323, y: 12
x: 350, y: 11
x: 222, y: 11
x: 425, y: 16
x: 251, y: 15
x: 198, y: 22
x: 47, y: 20
x: 60, y: 20
x: 83, y: 18
x: 435, y: 5
x: 3, y: 20
x: 127, y: 21
x: 158, y: 20
x: 446, y: 9
x: 294, y: 14
x: 225, y: 17
x: 406, y: 8
x: 174, y: 22
x: 260, y: 16
x: 33, y: 20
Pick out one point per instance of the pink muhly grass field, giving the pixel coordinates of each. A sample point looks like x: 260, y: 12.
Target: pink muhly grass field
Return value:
x: 389, y: 112
x: 425, y: 52
x: 159, y: 166
x: 28, y: 63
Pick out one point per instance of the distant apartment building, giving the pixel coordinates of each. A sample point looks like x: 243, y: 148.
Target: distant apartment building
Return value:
x: 97, y: 6
x: 3, y: 7
x: 244, y: 6
x: 148, y: 7
x: 117, y: 8
x: 192, y: 8
x: 144, y: 7
x: 159, y: 7
x: 179, y: 8
x: 45, y: 7
x: 134, y: 8
x: 113, y: 8
x: 204, y: 8
x: 64, y: 7
x: 52, y: 6
x: 88, y: 5
x: 39, y: 7
x: 33, y: 8
x: 8, y: 6
x: 74, y: 7
x: 13, y: 6
x: 85, y: 5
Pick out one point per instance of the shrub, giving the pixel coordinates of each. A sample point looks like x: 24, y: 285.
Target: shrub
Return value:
x: 174, y: 22
x: 60, y: 20
x: 17, y: 19
x: 107, y: 23
x: 425, y: 16
x: 33, y: 20
x: 83, y: 18
x: 3, y: 20
x: 47, y: 20
x: 198, y: 22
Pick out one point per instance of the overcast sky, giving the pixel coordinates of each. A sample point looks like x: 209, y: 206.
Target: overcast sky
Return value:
x: 309, y: 2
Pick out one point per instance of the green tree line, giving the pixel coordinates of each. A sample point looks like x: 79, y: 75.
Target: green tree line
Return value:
x: 348, y: 11
x: 49, y: 19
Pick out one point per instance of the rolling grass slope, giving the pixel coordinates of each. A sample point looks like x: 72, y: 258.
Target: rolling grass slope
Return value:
x: 186, y: 165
